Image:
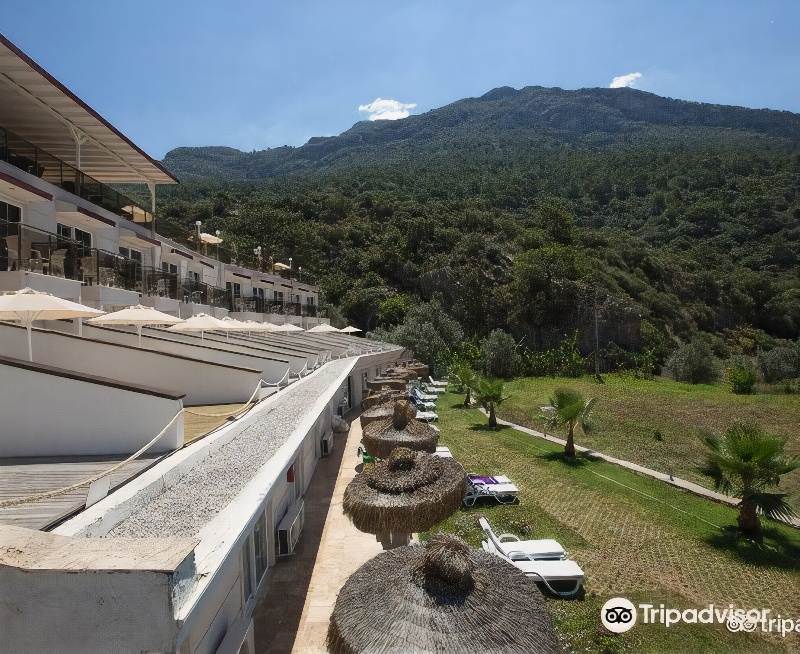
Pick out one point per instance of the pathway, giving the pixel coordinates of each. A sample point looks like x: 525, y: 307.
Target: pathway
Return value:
x: 306, y: 584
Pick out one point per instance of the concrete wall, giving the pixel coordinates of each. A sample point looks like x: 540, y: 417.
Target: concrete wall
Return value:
x: 215, y: 616
x: 74, y: 417
x: 199, y: 381
x: 271, y: 368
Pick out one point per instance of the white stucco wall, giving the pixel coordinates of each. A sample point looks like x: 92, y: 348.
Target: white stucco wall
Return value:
x: 201, y: 382
x: 75, y: 417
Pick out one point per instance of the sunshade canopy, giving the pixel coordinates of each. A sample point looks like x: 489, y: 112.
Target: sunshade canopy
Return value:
x: 288, y: 327
x: 28, y: 305
x: 323, y: 329
x: 41, y: 110
x: 138, y: 316
x: 401, y: 430
x: 349, y: 329
x: 439, y: 598
x: 210, y: 238
x: 408, y: 492
x: 202, y: 322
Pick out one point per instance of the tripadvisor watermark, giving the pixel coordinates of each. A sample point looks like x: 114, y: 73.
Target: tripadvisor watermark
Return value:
x: 618, y: 615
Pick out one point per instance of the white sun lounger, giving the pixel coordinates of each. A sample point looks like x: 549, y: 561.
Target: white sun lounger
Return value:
x: 443, y: 452
x: 427, y: 416
x: 544, y: 549
x: 565, y: 574
x: 440, y: 384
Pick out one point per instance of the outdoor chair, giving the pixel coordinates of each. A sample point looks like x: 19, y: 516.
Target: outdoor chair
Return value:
x: 498, y: 488
x: 57, y: 263
x: 425, y: 397
x: 545, y: 549
x: 440, y: 384
x: 421, y: 405
x: 563, y: 578
x: 427, y: 416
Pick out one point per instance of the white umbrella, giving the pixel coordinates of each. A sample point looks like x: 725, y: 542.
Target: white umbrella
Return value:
x: 28, y: 305
x: 323, y: 328
x: 202, y: 322
x: 255, y: 326
x: 233, y: 325
x: 288, y: 327
x: 210, y: 238
x: 138, y: 316
x: 349, y: 329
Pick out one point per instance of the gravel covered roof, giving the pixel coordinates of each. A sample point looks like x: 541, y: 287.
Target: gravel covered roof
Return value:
x: 186, y: 507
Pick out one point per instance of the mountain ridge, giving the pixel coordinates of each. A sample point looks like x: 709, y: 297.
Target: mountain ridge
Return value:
x: 547, y: 116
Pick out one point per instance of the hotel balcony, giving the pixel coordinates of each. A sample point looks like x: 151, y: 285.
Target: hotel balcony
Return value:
x: 35, y: 161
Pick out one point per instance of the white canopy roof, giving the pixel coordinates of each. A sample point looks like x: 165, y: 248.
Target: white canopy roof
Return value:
x: 41, y: 110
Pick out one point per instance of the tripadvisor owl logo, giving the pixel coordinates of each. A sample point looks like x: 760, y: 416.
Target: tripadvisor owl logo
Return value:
x: 618, y: 615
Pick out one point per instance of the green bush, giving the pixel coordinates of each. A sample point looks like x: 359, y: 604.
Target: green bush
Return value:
x: 780, y: 363
x: 499, y: 355
x: 694, y: 363
x: 741, y: 375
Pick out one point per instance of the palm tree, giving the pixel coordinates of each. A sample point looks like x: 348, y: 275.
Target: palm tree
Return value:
x: 567, y: 407
x: 467, y: 378
x: 744, y: 462
x: 489, y: 395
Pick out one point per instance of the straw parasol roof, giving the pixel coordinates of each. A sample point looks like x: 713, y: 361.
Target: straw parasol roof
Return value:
x: 441, y: 597
x: 401, y: 430
x: 288, y: 327
x: 408, y: 492
x: 349, y: 329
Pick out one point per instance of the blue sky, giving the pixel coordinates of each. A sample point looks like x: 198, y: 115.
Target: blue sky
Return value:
x: 254, y: 75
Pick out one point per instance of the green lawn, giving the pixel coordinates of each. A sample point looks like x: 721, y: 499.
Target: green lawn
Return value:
x: 654, y: 423
x: 634, y: 537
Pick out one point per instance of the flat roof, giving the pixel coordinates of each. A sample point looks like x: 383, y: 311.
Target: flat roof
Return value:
x: 40, y: 109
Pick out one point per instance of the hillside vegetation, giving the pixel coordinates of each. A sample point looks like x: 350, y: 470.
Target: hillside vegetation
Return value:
x: 640, y: 221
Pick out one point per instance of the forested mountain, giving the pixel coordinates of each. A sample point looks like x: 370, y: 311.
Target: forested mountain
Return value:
x: 534, y: 116
x: 540, y: 211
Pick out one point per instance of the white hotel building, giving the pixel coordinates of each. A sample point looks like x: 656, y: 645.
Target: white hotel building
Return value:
x: 173, y: 557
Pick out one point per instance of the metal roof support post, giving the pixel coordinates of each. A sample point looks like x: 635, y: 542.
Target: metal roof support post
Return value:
x: 80, y: 138
x: 152, y: 187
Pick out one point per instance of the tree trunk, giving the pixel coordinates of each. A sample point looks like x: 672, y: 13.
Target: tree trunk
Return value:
x: 492, y: 416
x: 748, y: 520
x: 569, y: 448
x: 468, y: 398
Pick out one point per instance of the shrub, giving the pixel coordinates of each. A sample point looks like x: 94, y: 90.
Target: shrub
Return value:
x: 780, y: 363
x: 694, y: 363
x: 741, y: 375
x: 499, y: 355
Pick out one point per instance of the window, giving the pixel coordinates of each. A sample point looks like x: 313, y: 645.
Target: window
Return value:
x: 64, y: 231
x: 279, y: 296
x: 169, y: 267
x: 261, y: 548
x: 247, y: 570
x: 310, y: 300
x: 10, y: 213
x: 83, y: 237
x: 128, y: 253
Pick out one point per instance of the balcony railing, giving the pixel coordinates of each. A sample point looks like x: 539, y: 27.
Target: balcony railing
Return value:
x: 32, y: 159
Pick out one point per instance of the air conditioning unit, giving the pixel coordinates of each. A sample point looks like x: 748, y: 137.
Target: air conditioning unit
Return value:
x: 326, y: 445
x: 290, y: 528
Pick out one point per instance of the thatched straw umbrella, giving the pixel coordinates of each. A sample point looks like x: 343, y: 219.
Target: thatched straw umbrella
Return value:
x: 378, y: 412
x: 406, y: 493
x: 443, y: 597
x: 401, y: 430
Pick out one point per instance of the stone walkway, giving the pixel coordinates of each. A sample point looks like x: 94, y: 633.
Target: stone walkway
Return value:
x: 670, y: 479
x: 292, y: 614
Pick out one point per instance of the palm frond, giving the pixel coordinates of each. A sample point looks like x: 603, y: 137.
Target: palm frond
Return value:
x: 773, y: 505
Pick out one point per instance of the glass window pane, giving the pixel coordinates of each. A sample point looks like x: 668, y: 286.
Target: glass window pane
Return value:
x: 248, y: 570
x: 262, y: 553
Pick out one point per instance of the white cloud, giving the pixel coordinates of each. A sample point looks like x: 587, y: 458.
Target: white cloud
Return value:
x: 386, y: 109
x: 624, y: 80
